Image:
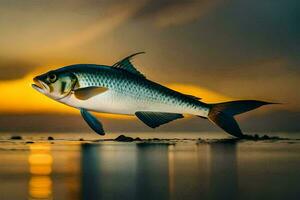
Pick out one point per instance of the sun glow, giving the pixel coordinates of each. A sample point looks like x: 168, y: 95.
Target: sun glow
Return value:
x: 206, y: 95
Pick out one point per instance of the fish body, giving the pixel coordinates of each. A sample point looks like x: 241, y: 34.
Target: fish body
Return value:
x: 122, y: 89
x: 128, y: 93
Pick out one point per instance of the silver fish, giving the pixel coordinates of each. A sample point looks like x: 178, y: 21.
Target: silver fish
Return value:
x: 122, y: 89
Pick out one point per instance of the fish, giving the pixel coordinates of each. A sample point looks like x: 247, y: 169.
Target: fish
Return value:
x: 123, y: 89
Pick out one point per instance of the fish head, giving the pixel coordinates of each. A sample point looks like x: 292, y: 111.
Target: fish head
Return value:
x: 55, y: 84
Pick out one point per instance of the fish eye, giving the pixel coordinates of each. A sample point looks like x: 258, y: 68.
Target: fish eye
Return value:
x: 52, y: 78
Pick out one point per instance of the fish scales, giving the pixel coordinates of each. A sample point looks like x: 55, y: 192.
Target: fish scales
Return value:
x: 136, y: 87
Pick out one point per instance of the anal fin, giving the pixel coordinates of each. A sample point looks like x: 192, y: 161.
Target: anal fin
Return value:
x: 155, y: 119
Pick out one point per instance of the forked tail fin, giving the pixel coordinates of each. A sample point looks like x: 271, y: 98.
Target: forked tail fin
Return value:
x: 222, y: 114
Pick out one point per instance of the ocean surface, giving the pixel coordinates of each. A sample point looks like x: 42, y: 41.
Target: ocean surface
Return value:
x: 172, y: 166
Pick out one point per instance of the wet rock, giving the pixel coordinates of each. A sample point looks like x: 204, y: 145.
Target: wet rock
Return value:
x: 200, y: 141
x: 50, y: 138
x: 218, y: 141
x: 123, y: 138
x: 264, y: 137
x: 16, y: 137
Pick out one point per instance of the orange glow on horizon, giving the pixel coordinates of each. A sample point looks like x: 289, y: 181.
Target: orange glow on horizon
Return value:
x: 206, y: 95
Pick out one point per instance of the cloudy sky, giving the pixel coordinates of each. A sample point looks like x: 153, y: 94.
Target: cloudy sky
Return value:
x: 219, y: 49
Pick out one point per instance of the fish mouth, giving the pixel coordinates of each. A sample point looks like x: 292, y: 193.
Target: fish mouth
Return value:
x: 39, y: 85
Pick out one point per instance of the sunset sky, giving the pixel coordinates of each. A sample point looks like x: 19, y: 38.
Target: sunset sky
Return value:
x: 218, y: 50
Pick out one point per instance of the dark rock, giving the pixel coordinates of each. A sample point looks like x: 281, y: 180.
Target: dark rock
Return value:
x: 264, y: 137
x: 50, y: 138
x: 81, y: 139
x: 16, y: 137
x: 29, y: 142
x: 137, y: 139
x: 123, y: 138
x: 200, y: 140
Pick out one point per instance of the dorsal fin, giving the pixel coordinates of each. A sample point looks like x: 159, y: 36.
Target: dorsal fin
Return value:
x: 193, y: 97
x: 128, y: 66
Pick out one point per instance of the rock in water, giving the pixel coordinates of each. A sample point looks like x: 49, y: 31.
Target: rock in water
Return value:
x: 123, y: 138
x: 50, y: 138
x: 16, y: 137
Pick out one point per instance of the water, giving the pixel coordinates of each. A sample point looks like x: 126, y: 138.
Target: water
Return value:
x: 66, y: 168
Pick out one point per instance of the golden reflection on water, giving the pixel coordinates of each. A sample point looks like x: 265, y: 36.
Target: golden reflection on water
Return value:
x: 188, y: 171
x: 171, y: 169
x: 40, y: 165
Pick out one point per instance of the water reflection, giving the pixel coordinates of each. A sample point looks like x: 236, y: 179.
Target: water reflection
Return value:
x: 40, y: 165
x: 110, y: 170
x: 152, y: 181
x: 223, y: 174
x: 124, y: 171
x: 188, y: 171
x: 90, y: 172
x: 158, y: 171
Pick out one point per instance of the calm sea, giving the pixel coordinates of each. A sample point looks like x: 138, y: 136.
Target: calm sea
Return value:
x: 33, y: 167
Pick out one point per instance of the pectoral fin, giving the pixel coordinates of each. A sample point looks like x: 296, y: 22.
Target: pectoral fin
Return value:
x: 88, y: 92
x: 155, y: 119
x: 92, y: 121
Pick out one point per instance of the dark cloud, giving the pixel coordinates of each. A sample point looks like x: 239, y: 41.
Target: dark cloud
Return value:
x: 165, y: 13
x: 275, y: 121
x: 154, y: 7
x: 244, y: 31
x: 267, y: 28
